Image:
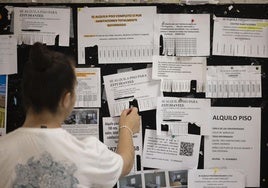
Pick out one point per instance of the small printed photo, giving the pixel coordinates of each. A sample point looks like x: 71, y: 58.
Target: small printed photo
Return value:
x: 132, y: 181
x: 82, y: 116
x: 155, y: 180
x: 178, y: 178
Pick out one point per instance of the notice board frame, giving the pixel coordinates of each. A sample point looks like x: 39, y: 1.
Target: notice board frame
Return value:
x: 16, y: 115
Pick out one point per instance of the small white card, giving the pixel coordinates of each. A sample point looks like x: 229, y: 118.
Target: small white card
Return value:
x: 216, y: 178
x: 170, y: 152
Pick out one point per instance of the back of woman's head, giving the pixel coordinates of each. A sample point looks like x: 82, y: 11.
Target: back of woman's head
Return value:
x: 46, y: 77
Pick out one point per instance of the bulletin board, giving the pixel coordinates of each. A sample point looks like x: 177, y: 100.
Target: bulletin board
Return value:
x: 16, y: 114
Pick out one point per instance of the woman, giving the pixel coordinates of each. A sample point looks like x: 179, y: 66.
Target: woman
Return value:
x: 41, y: 153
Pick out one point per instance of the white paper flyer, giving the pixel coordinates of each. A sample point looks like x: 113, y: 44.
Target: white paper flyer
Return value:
x: 240, y: 37
x: 83, y: 122
x: 39, y: 24
x: 110, y: 138
x: 88, y: 91
x: 176, y: 114
x: 115, y: 34
x: 216, y: 178
x: 170, y: 152
x: 177, y: 73
x: 8, y: 54
x: 182, y: 34
x: 233, y: 81
x: 235, y: 141
x: 123, y: 87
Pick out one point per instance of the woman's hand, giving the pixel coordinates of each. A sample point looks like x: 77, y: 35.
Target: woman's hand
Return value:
x: 131, y: 119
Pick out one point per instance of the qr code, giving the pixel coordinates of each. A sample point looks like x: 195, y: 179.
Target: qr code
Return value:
x: 186, y: 148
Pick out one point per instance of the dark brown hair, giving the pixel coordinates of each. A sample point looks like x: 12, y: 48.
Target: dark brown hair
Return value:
x: 47, y: 76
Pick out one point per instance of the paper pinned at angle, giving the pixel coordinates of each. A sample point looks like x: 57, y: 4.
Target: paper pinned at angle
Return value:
x: 182, y: 35
x: 228, y: 178
x: 88, y: 91
x: 176, y: 73
x: 240, y: 37
x: 176, y: 114
x: 167, y: 152
x: 233, y: 81
x: 39, y: 24
x: 8, y: 54
x: 123, y: 87
x: 110, y: 138
x: 235, y: 141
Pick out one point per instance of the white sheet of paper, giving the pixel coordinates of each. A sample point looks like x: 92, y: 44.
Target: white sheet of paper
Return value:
x: 39, y: 24
x: 3, y: 104
x: 176, y: 73
x: 240, y: 37
x: 88, y: 91
x: 119, y: 34
x: 170, y: 152
x: 182, y: 34
x: 235, y: 141
x: 8, y: 54
x: 124, y: 87
x: 178, y: 112
x: 110, y: 138
x: 216, y: 178
x: 233, y: 81
x: 83, y: 122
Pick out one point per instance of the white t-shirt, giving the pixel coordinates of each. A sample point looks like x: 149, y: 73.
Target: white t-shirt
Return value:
x: 54, y: 158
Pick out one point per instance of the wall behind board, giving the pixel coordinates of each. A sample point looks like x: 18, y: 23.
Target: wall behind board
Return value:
x: 16, y: 115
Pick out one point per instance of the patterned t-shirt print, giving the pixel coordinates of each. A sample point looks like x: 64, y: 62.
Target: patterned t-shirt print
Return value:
x: 45, y: 172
